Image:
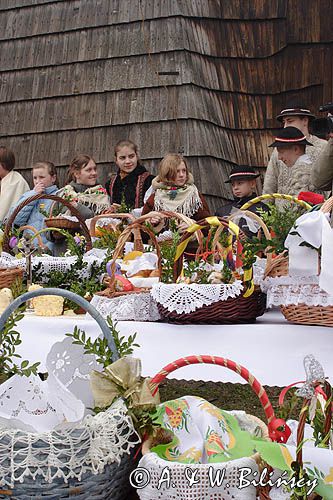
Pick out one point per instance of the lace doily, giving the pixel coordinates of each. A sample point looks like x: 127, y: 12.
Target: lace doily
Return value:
x: 71, y: 365
x: 179, y: 486
x: 286, y: 290
x: 184, y: 298
x: 87, y: 447
x: 131, y: 307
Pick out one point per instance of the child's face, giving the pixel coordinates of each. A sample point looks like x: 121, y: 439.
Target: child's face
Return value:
x: 243, y: 188
x: 181, y: 175
x: 87, y: 175
x: 126, y: 159
x: 42, y: 176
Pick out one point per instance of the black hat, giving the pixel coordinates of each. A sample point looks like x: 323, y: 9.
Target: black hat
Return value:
x: 295, y: 111
x: 289, y: 136
x: 244, y: 173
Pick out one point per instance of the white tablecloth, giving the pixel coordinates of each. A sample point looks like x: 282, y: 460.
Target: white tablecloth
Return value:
x: 272, y: 349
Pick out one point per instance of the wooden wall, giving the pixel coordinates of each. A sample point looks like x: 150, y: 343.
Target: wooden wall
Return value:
x: 205, y: 77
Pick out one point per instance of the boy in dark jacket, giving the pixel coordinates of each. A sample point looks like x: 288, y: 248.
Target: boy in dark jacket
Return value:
x: 243, y: 184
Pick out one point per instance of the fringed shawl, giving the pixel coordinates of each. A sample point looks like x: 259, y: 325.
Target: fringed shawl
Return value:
x: 184, y: 200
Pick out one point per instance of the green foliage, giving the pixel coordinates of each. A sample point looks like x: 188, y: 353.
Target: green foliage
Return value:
x: 194, y: 270
x: 18, y: 288
x: 100, y: 347
x: 168, y: 253
x: 72, y: 279
x: 227, y: 275
x: 108, y: 239
x: 9, y: 340
x: 123, y: 208
x: 286, y: 411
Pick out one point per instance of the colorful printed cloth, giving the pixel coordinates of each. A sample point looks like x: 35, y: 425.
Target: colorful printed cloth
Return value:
x: 203, y: 434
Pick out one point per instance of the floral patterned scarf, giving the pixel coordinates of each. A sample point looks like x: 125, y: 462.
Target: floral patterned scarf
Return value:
x: 184, y: 200
x: 95, y: 197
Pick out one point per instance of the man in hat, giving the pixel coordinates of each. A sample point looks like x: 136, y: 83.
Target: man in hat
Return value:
x: 243, y: 185
x: 277, y: 172
x: 291, y: 144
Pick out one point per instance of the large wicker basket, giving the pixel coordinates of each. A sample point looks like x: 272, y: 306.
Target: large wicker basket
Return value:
x: 153, y: 463
x: 307, y: 314
x: 110, y: 481
x: 58, y: 223
x: 237, y: 309
x: 278, y: 266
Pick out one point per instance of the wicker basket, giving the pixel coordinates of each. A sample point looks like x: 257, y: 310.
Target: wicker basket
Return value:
x: 9, y: 276
x: 256, y: 387
x: 134, y: 228
x: 55, y: 220
x: 311, y: 315
x: 279, y: 266
x: 303, y: 417
x: 110, y: 482
x: 238, y: 309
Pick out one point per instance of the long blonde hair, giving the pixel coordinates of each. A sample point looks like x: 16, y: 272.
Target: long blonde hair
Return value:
x: 167, y: 170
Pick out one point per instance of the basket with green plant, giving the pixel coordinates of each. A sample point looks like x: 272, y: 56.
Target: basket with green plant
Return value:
x: 218, y: 286
x: 278, y: 220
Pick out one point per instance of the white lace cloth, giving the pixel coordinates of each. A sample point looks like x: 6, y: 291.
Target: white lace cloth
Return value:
x: 286, y: 290
x: 185, y: 298
x: 130, y: 307
x: 35, y: 405
x: 69, y: 364
x: 86, y: 447
x: 50, y: 264
x: 179, y: 486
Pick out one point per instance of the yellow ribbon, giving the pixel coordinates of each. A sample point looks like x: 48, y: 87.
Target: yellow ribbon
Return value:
x: 234, y: 228
x: 213, y: 221
x: 122, y: 379
x: 248, y: 278
x: 1, y: 239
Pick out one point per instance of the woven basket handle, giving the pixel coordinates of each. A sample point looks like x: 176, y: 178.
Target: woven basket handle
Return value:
x: 327, y: 206
x: 204, y: 223
x: 93, y: 221
x: 171, y: 215
x: 33, y: 230
x: 262, y: 225
x: 120, y: 247
x: 43, y: 196
x: 302, y: 420
x: 276, y: 196
x: 226, y: 363
x: 80, y: 301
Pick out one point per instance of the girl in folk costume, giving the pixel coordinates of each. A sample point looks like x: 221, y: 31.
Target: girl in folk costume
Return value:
x: 86, y: 195
x: 44, y: 176
x: 175, y: 191
x: 131, y: 181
